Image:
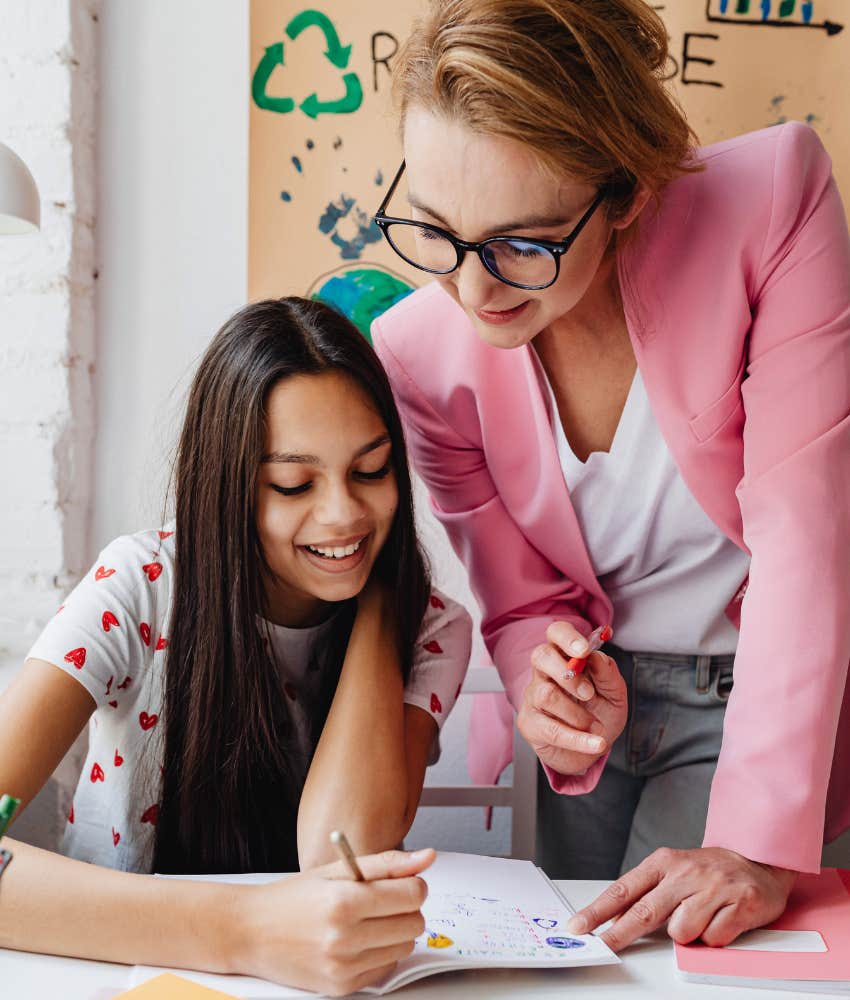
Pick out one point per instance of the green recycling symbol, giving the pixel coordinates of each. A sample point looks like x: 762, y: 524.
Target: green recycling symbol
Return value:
x: 336, y: 53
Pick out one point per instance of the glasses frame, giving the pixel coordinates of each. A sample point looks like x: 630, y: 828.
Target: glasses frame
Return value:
x: 557, y: 248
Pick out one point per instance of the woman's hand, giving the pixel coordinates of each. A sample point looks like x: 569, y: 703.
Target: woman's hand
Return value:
x: 570, y: 723
x: 709, y: 893
x: 320, y: 930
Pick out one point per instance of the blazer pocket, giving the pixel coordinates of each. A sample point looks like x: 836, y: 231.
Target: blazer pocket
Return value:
x: 706, y: 424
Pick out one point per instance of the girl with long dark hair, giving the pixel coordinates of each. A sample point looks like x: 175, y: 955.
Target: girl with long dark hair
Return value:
x: 272, y: 665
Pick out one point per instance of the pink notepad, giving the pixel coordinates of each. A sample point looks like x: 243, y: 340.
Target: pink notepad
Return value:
x: 813, y: 953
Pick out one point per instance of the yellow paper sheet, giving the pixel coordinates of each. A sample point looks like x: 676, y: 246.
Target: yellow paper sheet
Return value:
x: 168, y: 987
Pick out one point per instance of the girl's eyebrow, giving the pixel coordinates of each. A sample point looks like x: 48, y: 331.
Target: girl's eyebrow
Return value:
x: 299, y: 459
x: 538, y: 221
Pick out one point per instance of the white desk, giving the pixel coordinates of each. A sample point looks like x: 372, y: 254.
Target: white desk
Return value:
x: 647, y: 971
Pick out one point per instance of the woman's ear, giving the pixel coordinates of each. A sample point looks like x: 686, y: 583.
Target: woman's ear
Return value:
x: 639, y: 200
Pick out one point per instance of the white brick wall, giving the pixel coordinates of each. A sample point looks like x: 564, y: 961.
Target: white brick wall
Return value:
x: 47, y: 111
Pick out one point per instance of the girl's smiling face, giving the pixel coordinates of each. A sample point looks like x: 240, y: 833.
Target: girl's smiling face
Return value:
x: 326, y: 494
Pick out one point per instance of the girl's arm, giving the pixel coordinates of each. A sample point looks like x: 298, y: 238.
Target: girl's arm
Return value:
x: 49, y: 903
x: 367, y: 773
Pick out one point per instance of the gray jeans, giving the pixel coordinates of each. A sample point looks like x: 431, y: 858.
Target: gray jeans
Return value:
x: 654, y: 789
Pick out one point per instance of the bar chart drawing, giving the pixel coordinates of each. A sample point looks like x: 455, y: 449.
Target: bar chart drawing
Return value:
x: 770, y: 13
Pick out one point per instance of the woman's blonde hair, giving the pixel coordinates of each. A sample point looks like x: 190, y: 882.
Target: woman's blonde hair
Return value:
x: 580, y: 82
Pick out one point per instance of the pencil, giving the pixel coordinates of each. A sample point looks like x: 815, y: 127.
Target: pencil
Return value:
x: 340, y: 842
x: 8, y: 805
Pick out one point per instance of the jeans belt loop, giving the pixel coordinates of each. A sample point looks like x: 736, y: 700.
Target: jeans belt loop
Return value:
x: 703, y: 674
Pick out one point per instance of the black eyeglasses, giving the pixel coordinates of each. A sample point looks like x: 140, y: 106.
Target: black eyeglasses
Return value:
x: 523, y: 263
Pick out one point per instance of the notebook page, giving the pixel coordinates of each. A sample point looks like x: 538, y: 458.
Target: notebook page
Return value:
x: 492, y: 912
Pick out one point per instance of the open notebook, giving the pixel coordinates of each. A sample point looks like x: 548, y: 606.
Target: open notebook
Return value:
x: 480, y: 913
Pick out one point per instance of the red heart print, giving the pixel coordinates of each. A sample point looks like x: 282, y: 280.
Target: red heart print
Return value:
x: 437, y: 603
x: 147, y: 721
x: 153, y: 569
x: 108, y: 621
x: 119, y: 760
x: 290, y: 690
x: 145, y: 633
x: 125, y: 683
x: 116, y: 836
x: 151, y: 814
x: 96, y: 773
x: 109, y: 684
x: 433, y: 646
x: 161, y: 643
x: 76, y: 656
x: 71, y: 814
x: 113, y: 704
x: 101, y: 573
x: 165, y: 534
x: 435, y: 703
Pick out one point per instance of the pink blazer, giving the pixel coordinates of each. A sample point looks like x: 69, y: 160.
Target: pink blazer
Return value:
x: 737, y: 298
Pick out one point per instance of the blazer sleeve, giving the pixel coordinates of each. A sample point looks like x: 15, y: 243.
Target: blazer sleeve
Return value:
x: 769, y: 792
x: 520, y: 593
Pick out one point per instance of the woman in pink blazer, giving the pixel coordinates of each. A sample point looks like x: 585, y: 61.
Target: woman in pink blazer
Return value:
x: 588, y: 256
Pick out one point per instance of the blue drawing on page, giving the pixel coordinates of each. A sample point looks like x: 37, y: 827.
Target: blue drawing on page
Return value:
x: 565, y: 942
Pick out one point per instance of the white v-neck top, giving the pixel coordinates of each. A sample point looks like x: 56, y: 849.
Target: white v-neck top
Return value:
x: 665, y: 565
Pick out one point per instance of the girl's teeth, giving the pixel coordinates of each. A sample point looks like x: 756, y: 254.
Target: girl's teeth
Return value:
x: 338, y: 552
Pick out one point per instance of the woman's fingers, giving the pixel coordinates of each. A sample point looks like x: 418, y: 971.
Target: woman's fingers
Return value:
x: 608, y: 683
x: 544, y: 730
x: 620, y: 895
x: 549, y: 659
x: 707, y: 892
x: 547, y: 697
x: 693, y: 916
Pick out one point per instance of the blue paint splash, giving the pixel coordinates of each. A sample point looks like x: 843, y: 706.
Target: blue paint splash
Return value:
x: 765, y: 9
x: 807, y: 9
x: 310, y: 144
x: 379, y: 178
x: 285, y: 196
x: 297, y: 164
x: 357, y: 221
x: 724, y: 6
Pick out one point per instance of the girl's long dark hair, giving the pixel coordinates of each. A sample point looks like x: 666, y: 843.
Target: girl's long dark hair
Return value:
x: 229, y: 797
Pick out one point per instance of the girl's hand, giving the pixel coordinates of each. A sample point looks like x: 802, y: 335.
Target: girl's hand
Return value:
x: 570, y: 723
x: 320, y: 930
x: 709, y: 893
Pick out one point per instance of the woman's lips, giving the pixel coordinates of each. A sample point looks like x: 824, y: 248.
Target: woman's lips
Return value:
x: 496, y: 317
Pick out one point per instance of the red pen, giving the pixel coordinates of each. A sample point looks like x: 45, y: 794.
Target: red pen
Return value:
x: 595, y: 641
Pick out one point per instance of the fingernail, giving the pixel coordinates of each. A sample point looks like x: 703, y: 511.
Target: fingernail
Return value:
x: 585, y: 690
x: 419, y: 855
x: 595, y: 742
x: 578, y: 647
x: 576, y: 925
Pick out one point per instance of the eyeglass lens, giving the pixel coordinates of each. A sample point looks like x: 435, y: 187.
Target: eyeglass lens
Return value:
x: 514, y: 260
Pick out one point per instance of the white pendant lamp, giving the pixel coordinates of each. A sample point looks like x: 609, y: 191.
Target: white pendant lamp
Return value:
x: 20, y: 210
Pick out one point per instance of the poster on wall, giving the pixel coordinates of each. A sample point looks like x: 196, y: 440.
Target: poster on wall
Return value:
x: 324, y: 143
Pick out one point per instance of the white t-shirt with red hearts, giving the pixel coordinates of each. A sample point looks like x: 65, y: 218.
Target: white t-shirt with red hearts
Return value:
x: 111, y: 635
